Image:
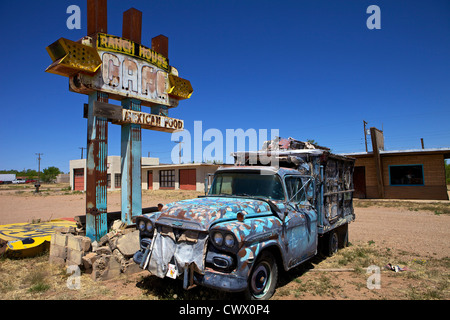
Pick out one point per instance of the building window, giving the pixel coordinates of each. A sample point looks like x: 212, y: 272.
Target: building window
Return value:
x: 406, y: 175
x: 108, y: 181
x: 117, y: 180
x: 167, y: 179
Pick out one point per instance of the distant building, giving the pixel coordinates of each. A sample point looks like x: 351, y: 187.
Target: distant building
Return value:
x: 190, y: 176
x: 78, y: 172
x: 400, y: 174
x: 154, y: 175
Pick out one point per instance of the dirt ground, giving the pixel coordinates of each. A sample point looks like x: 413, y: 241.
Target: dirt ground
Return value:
x: 423, y: 232
x: 24, y: 206
x: 402, y: 235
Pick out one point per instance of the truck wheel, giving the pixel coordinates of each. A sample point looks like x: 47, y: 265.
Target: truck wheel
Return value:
x: 263, y: 278
x: 333, y: 243
x: 344, y: 237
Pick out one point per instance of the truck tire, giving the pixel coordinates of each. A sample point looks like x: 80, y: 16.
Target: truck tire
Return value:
x: 263, y: 278
x: 343, y: 237
x: 333, y: 243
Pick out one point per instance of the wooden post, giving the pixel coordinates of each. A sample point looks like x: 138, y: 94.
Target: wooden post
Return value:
x: 97, y: 17
x: 132, y: 25
x: 160, y: 44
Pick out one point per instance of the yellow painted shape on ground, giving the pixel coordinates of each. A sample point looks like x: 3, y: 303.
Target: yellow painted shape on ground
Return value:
x: 18, y: 231
x: 28, y: 239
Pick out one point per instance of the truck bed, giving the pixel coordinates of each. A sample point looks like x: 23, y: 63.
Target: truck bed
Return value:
x: 336, y: 189
x: 333, y: 175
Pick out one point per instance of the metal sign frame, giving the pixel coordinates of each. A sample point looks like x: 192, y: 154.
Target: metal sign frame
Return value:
x: 107, y: 67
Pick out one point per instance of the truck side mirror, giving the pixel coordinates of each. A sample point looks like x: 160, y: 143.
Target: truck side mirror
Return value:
x: 206, y: 185
x: 207, y: 181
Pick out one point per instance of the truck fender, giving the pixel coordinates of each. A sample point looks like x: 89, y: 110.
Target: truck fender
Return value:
x: 249, y: 254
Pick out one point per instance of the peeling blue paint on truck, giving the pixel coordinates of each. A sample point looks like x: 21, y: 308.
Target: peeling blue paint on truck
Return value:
x: 254, y: 220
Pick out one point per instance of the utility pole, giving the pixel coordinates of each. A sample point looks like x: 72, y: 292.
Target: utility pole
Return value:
x: 82, y: 152
x: 179, y: 152
x: 365, y: 134
x: 38, y: 183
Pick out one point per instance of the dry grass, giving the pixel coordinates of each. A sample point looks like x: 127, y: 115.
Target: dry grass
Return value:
x: 438, y: 207
x: 45, y: 189
x: 36, y: 279
x: 172, y: 195
x: 427, y: 278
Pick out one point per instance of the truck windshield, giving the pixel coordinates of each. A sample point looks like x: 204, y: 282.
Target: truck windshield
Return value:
x: 248, y: 184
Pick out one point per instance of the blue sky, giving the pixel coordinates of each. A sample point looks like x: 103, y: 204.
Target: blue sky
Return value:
x: 309, y: 68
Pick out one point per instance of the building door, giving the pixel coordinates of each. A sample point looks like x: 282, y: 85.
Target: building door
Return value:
x: 78, y: 179
x: 359, y: 182
x: 188, y: 179
x: 150, y: 180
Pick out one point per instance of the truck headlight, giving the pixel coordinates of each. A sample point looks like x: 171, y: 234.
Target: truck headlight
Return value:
x: 229, y: 241
x: 224, y: 240
x: 149, y: 226
x: 218, y: 238
x: 141, y: 225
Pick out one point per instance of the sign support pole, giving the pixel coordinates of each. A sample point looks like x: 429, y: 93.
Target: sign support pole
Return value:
x: 110, y: 67
x: 96, y: 171
x: 131, y: 146
x: 131, y: 151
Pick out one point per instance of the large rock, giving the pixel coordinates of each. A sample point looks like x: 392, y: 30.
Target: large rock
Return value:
x: 79, y: 243
x: 128, y: 244
x: 105, y: 267
x: 88, y: 261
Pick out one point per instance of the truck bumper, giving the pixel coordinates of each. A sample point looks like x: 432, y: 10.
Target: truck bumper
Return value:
x: 230, y: 282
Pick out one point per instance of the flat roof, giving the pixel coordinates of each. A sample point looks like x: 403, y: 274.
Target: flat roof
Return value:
x: 266, y: 169
x: 178, y: 165
x: 444, y: 151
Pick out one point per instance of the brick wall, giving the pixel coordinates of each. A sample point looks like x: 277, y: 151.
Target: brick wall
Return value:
x: 434, y: 187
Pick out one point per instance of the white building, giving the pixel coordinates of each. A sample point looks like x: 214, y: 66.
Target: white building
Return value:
x: 154, y: 175
x: 78, y: 172
x: 189, y: 176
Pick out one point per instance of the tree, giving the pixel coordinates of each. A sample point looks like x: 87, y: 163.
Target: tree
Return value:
x: 30, y: 174
x: 49, y: 174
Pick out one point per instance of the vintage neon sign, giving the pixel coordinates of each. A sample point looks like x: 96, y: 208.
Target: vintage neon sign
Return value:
x: 151, y: 121
x: 123, y: 76
x: 119, y: 67
x: 109, y: 67
x: 111, y: 43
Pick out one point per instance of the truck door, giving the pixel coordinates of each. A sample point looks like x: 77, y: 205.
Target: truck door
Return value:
x: 300, y: 222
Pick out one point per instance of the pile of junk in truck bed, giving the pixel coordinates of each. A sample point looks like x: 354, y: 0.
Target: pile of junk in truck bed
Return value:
x: 275, y: 208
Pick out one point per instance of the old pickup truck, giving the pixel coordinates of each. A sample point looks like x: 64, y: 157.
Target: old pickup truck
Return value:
x: 254, y: 220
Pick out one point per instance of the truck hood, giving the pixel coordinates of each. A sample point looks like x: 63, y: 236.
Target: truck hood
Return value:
x: 201, y: 213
